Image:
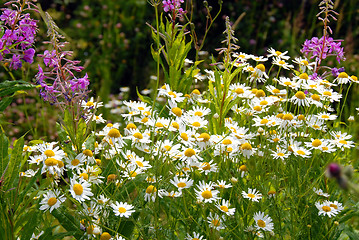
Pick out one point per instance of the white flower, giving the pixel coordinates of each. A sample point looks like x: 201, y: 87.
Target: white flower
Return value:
x: 122, y: 209
x: 252, y: 195
x: 224, y: 207
x: 325, y: 209
x: 263, y: 222
x: 80, y: 189
x: 52, y: 200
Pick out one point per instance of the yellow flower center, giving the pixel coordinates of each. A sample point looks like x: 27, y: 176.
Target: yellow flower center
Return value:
x: 216, y: 222
x: 130, y: 126
x: 260, y: 93
x: 196, y: 124
x: 226, y: 142
x: 109, y: 125
x: 89, y: 104
x: 172, y: 94
x: 326, y: 209
x: 251, y: 195
x: 325, y: 116
x: 133, y: 174
x: 287, y: 83
x: 327, y: 93
x: 224, y: 208
x: 196, y: 91
x: 122, y: 210
x: 111, y: 177
x: 207, y: 194
x: 177, y: 111
x: 60, y: 164
x: 264, y: 121
x: 159, y: 125
x: 343, y: 75
x: 75, y: 162
x: 144, y: 120
x: 354, y: 78
x: 175, y: 125
x: 300, y: 152
x: 278, y: 53
x: 316, y: 143
x: 189, y: 152
x: 200, y: 114
x: 315, y: 97
x: 78, y: 189
x: 105, y: 236
x: 85, y: 176
x: 138, y: 135
x: 261, y: 67
x: 52, y: 201
x: 281, y: 62
x: 114, y: 133
x: 264, y: 102
x: 305, y: 63
x: 280, y: 154
x: 88, y: 153
x: 181, y: 185
x: 261, y: 223
x: 49, y: 153
x: 139, y: 163
x: 258, y: 108
x: 184, y: 136
x: 303, y: 76
x: 300, y: 95
x: 151, y: 189
x: 325, y: 148
x: 343, y: 142
x: 246, y: 146
x: 333, y: 206
x: 288, y: 116
x: 50, y: 162
x: 276, y: 91
x: 239, y: 91
x: 204, y: 136
x: 206, y: 166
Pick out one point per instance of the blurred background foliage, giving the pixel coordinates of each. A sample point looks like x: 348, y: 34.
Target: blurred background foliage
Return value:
x: 113, y: 42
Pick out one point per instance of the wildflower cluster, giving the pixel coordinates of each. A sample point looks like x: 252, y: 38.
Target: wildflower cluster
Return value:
x: 18, y: 33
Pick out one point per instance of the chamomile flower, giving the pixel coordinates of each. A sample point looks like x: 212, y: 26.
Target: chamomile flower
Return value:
x: 281, y: 63
x: 263, y: 222
x: 320, y: 192
x: 182, y: 183
x: 300, y: 99
x: 90, y: 104
x: 52, y: 200
x: 304, y: 64
x: 122, y: 209
x: 252, y: 195
x: 194, y: 236
x: 326, y: 116
x: 343, y: 78
x: 277, y: 54
x: 199, y: 111
x: 258, y: 74
x: 172, y: 194
x: 208, y: 167
x: 280, y: 153
x: 222, y: 184
x: 80, y: 189
x: 224, y: 207
x: 150, y: 194
x: 215, y: 221
x: 325, y: 209
x: 205, y: 192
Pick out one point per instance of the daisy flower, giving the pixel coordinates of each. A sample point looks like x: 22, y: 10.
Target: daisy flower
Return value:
x: 208, y: 167
x: 280, y: 153
x: 342, y: 78
x: 199, y: 111
x: 326, y: 116
x: 80, y: 189
x: 194, y: 236
x: 182, y: 183
x: 300, y: 99
x: 90, y: 104
x: 281, y: 63
x: 122, y: 209
x: 277, y: 54
x: 224, y: 207
x: 304, y: 64
x: 222, y: 184
x: 252, y: 195
x: 206, y: 193
x: 172, y: 194
x: 215, y: 221
x: 52, y: 200
x: 150, y: 194
x: 320, y: 192
x: 263, y: 222
x: 325, y: 209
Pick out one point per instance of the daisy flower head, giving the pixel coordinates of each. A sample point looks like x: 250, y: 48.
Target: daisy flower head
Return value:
x: 252, y: 195
x: 259, y: 74
x: 199, y: 111
x: 194, y: 236
x: 91, y: 104
x: 150, y: 194
x: 304, y: 64
x: 182, y: 183
x: 205, y: 192
x: 215, y: 221
x: 224, y: 207
x: 80, y: 189
x: 222, y: 184
x: 277, y: 54
x: 122, y: 209
x: 280, y: 153
x: 281, y: 63
x: 343, y: 78
x: 52, y: 200
x: 320, y: 192
x: 300, y: 99
x: 208, y: 167
x: 263, y: 222
x: 243, y: 170
x: 325, y: 209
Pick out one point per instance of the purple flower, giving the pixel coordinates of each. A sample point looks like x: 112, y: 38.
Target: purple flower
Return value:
x: 50, y: 58
x: 336, y: 71
x: 173, y: 6
x: 15, y: 62
x: 29, y: 55
x: 321, y: 49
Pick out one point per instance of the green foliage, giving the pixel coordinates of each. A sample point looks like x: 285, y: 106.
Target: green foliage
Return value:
x: 8, y: 89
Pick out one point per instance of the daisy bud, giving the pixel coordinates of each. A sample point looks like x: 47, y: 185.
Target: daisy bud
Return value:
x: 234, y: 180
x: 216, y: 116
x: 351, y: 119
x: 336, y: 223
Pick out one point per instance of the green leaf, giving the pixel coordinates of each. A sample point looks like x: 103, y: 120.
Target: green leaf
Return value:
x: 12, y: 173
x: 4, y: 157
x: 5, y: 102
x: 13, y: 89
x: 68, y: 221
